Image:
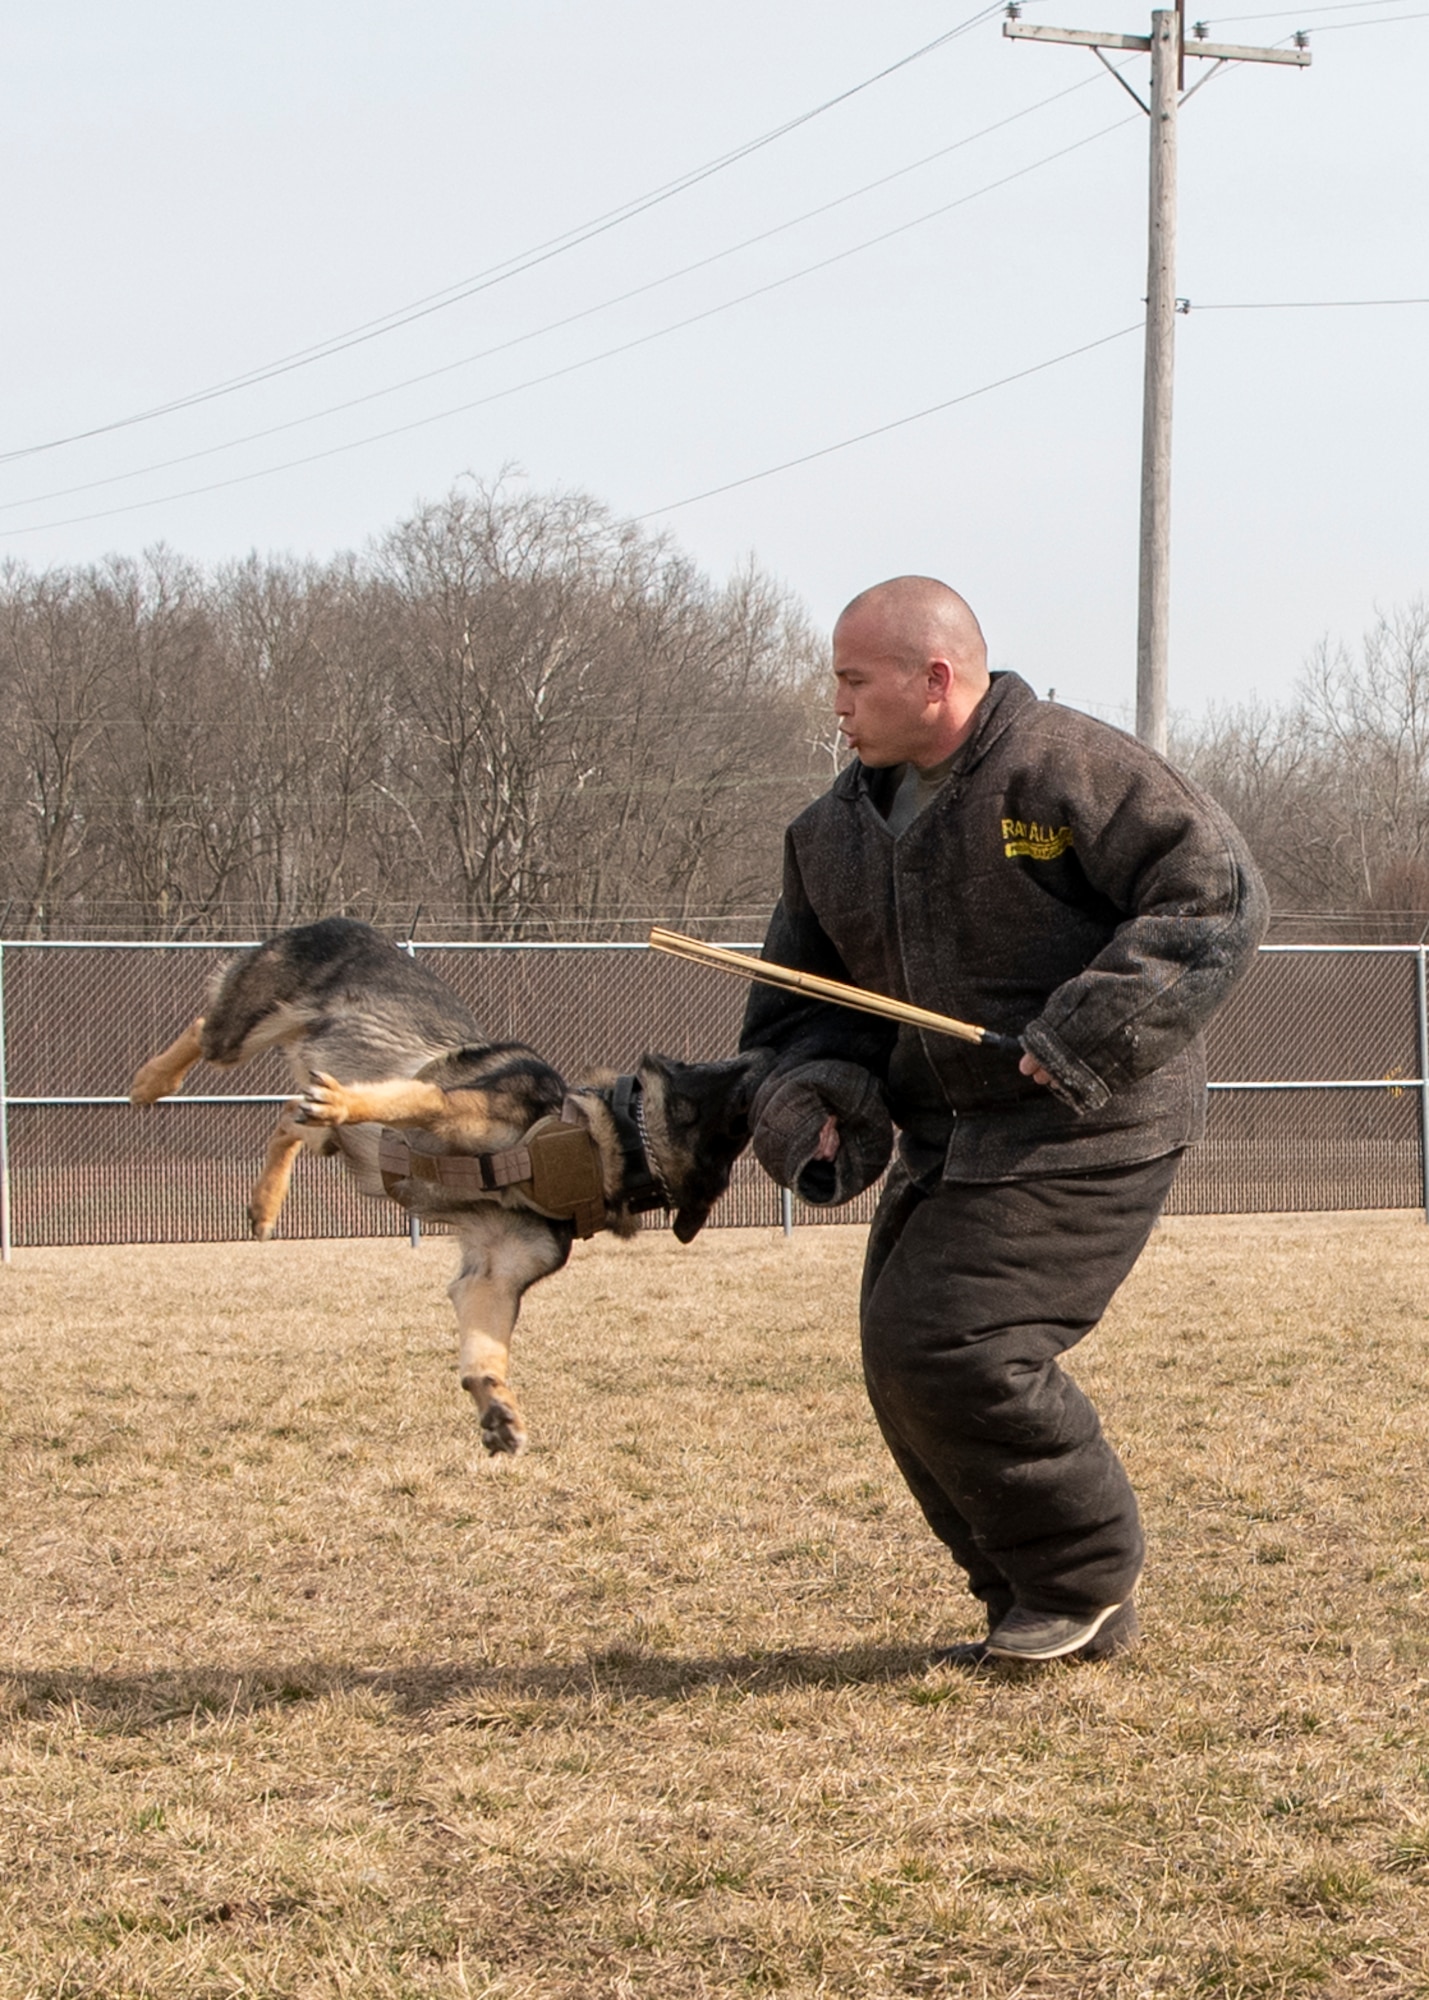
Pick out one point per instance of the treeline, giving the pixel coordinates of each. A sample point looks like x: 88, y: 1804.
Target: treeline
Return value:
x: 515, y: 716
x: 519, y: 717
x: 1332, y: 787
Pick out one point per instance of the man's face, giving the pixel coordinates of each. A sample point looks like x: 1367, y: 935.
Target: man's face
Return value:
x: 882, y: 704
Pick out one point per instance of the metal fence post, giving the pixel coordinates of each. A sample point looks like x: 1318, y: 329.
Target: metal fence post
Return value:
x: 1421, y: 983
x: 4, y: 1129
x: 786, y: 1210
x: 414, y: 1221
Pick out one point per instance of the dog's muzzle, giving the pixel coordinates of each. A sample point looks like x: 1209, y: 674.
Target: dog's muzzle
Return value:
x: 555, y: 1169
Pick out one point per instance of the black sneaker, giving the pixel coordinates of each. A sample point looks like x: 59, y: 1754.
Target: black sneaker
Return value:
x: 1051, y: 1635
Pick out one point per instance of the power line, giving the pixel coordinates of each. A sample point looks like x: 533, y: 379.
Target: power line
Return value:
x: 551, y: 326
x: 898, y: 423
x: 1295, y: 305
x: 1384, y: 21
x: 570, y: 368
x: 1293, y: 13
x: 510, y: 267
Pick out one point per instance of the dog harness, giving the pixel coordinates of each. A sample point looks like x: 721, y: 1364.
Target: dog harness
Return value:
x: 555, y: 1168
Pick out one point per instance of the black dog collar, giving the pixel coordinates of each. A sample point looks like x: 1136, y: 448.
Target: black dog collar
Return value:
x: 642, y: 1183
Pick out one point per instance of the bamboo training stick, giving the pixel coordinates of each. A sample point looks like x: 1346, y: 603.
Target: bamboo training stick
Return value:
x: 766, y: 973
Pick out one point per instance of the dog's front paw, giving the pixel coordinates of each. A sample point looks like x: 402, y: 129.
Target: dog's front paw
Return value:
x: 324, y: 1102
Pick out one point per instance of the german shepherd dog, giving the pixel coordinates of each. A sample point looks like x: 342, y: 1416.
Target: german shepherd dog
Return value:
x: 502, y: 1149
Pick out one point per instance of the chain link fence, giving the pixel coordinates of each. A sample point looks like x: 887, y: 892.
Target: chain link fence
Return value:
x: 1319, y: 1099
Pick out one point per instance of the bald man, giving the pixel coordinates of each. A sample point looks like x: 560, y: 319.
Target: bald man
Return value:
x: 1020, y: 865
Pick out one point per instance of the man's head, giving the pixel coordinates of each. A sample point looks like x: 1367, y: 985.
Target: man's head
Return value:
x: 910, y: 667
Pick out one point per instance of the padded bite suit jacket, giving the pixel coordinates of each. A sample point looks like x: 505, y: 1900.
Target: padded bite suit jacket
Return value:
x: 1066, y: 886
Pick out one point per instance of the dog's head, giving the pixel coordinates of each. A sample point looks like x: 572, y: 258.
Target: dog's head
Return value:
x: 696, y: 1118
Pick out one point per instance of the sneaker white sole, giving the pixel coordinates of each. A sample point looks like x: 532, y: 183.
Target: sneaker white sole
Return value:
x: 1083, y: 1637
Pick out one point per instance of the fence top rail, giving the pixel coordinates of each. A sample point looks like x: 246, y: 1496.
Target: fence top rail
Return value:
x: 419, y: 944
x: 30, y: 1103
x: 1402, y: 949
x: 548, y: 944
x: 1395, y: 1085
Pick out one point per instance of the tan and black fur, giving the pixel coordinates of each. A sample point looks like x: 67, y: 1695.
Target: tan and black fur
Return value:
x: 374, y: 1039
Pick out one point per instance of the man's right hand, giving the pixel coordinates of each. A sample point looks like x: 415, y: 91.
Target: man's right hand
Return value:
x: 822, y: 1128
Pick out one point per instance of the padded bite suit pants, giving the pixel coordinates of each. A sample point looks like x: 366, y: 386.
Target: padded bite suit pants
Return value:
x: 970, y: 1294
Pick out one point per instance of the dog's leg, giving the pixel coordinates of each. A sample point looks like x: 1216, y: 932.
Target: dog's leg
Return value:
x: 462, y: 1117
x: 486, y: 1309
x: 163, y: 1074
x: 503, y: 1253
x: 270, y: 1190
x: 398, y: 1100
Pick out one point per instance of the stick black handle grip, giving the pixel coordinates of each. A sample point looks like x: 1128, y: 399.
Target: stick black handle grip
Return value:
x: 1008, y: 1042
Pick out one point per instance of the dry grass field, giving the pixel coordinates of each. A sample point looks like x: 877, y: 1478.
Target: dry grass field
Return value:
x: 303, y: 1697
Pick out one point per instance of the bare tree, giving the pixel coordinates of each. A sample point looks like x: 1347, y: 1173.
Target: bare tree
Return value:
x: 57, y: 675
x: 1333, y: 789
x: 1370, y: 723
x: 516, y: 712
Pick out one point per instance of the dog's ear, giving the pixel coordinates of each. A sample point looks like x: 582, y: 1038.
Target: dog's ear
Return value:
x: 697, y: 1121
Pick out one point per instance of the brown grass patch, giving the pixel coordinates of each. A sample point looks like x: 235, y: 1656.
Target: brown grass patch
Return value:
x: 303, y: 1696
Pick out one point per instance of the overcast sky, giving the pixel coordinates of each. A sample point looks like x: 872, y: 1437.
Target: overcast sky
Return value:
x: 194, y: 193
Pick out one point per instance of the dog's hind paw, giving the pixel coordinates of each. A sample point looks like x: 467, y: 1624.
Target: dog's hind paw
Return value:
x: 150, y: 1084
x: 502, y: 1431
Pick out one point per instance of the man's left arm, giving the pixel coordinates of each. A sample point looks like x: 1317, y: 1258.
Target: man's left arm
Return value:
x: 1196, y: 909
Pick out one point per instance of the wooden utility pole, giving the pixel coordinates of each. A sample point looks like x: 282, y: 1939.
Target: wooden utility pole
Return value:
x: 1168, y: 49
x: 1153, y: 609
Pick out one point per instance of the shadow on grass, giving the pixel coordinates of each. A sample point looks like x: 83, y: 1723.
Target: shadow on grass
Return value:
x: 480, y: 1696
